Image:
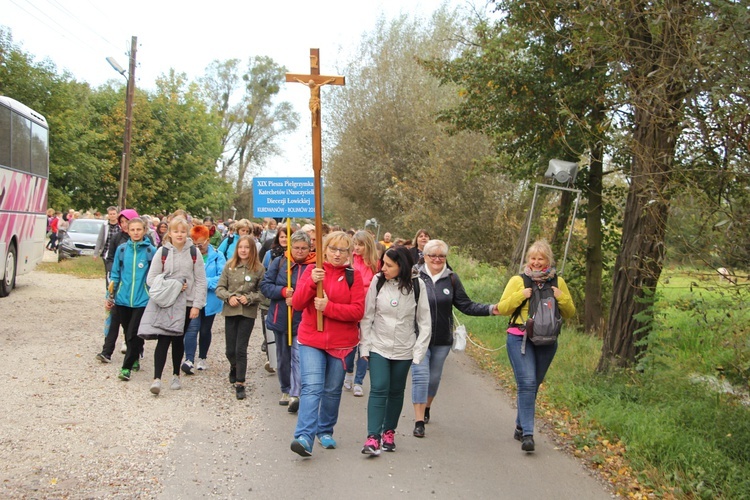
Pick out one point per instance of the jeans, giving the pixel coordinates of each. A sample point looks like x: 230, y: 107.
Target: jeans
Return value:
x: 191, y: 337
x: 287, y: 357
x: 322, y: 377
x: 237, y: 333
x: 204, y: 342
x: 387, y: 386
x: 425, y: 377
x: 529, y: 370
x: 359, y: 377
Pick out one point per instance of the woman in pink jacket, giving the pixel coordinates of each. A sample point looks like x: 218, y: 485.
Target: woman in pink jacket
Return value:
x: 322, y: 353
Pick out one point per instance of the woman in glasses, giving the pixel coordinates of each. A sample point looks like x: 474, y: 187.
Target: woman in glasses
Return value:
x: 444, y: 290
x: 322, y: 353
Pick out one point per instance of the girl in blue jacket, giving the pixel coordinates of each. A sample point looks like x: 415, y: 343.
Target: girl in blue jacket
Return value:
x: 128, y: 282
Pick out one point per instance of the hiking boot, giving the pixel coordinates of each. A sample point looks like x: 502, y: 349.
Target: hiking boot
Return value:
x: 240, y: 391
x: 202, y: 364
x: 527, y: 443
x: 233, y: 375
x: 176, y: 385
x: 103, y: 358
x: 389, y: 442
x: 427, y: 415
x: 358, y: 391
x: 136, y: 366
x: 293, y: 404
x: 419, y: 429
x: 327, y: 441
x: 372, y: 446
x: 156, y: 387
x: 302, y: 447
x: 284, y: 401
x: 518, y: 433
x: 187, y: 367
x: 124, y: 374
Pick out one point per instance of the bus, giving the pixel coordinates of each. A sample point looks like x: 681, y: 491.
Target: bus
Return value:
x: 24, y: 169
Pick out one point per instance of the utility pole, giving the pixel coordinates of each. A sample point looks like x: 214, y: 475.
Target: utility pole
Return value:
x: 130, y: 93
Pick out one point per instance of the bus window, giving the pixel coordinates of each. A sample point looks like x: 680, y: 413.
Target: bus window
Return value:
x: 4, y: 136
x: 39, y: 151
x: 21, y: 146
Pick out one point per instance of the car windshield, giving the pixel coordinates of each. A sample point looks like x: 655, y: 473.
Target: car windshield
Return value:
x: 85, y: 226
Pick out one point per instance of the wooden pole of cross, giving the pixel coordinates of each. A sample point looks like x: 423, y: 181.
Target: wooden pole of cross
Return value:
x: 314, y: 81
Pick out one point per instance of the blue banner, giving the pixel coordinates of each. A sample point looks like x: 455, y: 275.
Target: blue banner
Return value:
x: 284, y: 197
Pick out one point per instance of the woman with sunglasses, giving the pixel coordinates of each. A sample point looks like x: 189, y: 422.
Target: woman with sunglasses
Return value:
x: 444, y: 290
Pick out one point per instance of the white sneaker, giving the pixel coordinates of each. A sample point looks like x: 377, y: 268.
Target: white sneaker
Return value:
x: 124, y: 347
x: 358, y: 391
x: 156, y: 387
x: 202, y: 364
x: 176, y: 384
x: 187, y: 367
x: 348, y: 381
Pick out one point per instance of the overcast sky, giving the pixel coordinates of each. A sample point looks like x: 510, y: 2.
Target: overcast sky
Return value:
x: 78, y: 35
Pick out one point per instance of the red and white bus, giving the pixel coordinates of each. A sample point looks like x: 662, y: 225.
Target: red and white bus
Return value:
x: 24, y: 168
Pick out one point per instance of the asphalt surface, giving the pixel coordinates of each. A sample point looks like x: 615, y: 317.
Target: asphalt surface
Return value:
x: 468, y: 452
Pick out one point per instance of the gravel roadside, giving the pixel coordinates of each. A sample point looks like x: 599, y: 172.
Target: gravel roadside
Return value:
x: 71, y: 428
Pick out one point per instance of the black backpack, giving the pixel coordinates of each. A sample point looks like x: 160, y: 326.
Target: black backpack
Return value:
x: 544, y: 321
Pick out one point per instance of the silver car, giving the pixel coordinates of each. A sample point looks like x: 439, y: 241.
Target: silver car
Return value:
x: 80, y: 238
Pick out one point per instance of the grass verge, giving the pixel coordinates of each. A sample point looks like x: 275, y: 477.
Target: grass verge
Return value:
x: 80, y: 267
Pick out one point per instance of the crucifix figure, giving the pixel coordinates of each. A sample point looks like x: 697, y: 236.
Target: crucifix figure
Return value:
x: 314, y: 81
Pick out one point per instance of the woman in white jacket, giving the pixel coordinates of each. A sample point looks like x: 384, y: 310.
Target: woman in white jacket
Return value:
x: 395, y: 332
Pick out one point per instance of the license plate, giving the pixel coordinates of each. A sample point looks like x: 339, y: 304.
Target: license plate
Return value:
x: 87, y: 251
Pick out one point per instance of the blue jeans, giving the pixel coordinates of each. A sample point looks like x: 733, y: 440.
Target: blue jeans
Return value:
x: 191, y: 336
x: 529, y: 370
x: 359, y: 377
x: 425, y: 377
x: 322, y: 378
x: 287, y: 357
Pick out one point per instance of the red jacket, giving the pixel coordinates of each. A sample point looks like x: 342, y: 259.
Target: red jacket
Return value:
x: 345, y: 309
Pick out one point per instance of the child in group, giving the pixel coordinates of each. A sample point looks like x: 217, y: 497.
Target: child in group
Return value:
x: 128, y: 286
x: 181, y: 263
x: 238, y: 287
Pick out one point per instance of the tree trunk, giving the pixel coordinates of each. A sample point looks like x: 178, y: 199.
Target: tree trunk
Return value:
x: 560, y: 236
x: 592, y: 308
x: 639, y: 263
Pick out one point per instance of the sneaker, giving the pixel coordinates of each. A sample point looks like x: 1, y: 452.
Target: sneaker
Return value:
x: 419, y: 429
x: 232, y: 375
x: 156, y: 387
x: 176, y: 385
x: 327, y: 441
x: 187, y: 367
x: 136, y: 366
x: 124, y: 347
x: 348, y: 382
x: 268, y: 368
x: 527, y: 443
x: 293, y: 404
x: 124, y: 374
x: 389, y: 441
x: 202, y: 364
x: 103, y: 358
x: 302, y: 447
x: 240, y: 391
x: 518, y: 433
x: 284, y: 401
x: 427, y: 415
x: 358, y: 392
x: 372, y: 446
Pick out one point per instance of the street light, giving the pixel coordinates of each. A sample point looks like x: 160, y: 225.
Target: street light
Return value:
x: 373, y: 222
x: 130, y: 92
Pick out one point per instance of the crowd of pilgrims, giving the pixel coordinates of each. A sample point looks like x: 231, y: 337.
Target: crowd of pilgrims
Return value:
x: 386, y: 310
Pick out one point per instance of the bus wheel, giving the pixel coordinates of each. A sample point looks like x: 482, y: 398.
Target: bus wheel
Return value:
x: 7, y: 283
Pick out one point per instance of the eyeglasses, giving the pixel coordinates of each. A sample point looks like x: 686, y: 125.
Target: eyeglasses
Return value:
x: 339, y: 251
x: 202, y: 245
x: 300, y: 249
x: 436, y: 257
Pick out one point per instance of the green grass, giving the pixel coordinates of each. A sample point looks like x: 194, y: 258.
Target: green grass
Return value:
x: 81, y: 267
x: 679, y: 437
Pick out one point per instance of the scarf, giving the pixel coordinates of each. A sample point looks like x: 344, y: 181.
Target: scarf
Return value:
x: 540, y: 277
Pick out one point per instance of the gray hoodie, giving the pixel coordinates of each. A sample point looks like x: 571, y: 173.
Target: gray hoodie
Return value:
x: 180, y: 265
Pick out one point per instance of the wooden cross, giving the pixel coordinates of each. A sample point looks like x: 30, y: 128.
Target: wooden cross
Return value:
x: 315, y: 80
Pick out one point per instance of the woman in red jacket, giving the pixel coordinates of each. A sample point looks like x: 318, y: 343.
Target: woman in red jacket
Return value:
x: 322, y: 353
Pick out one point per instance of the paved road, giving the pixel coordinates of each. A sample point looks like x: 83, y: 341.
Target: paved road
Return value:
x: 469, y: 452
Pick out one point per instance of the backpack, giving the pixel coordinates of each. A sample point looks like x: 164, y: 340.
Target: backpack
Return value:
x: 165, y: 252
x: 229, y: 239
x: 544, y: 320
